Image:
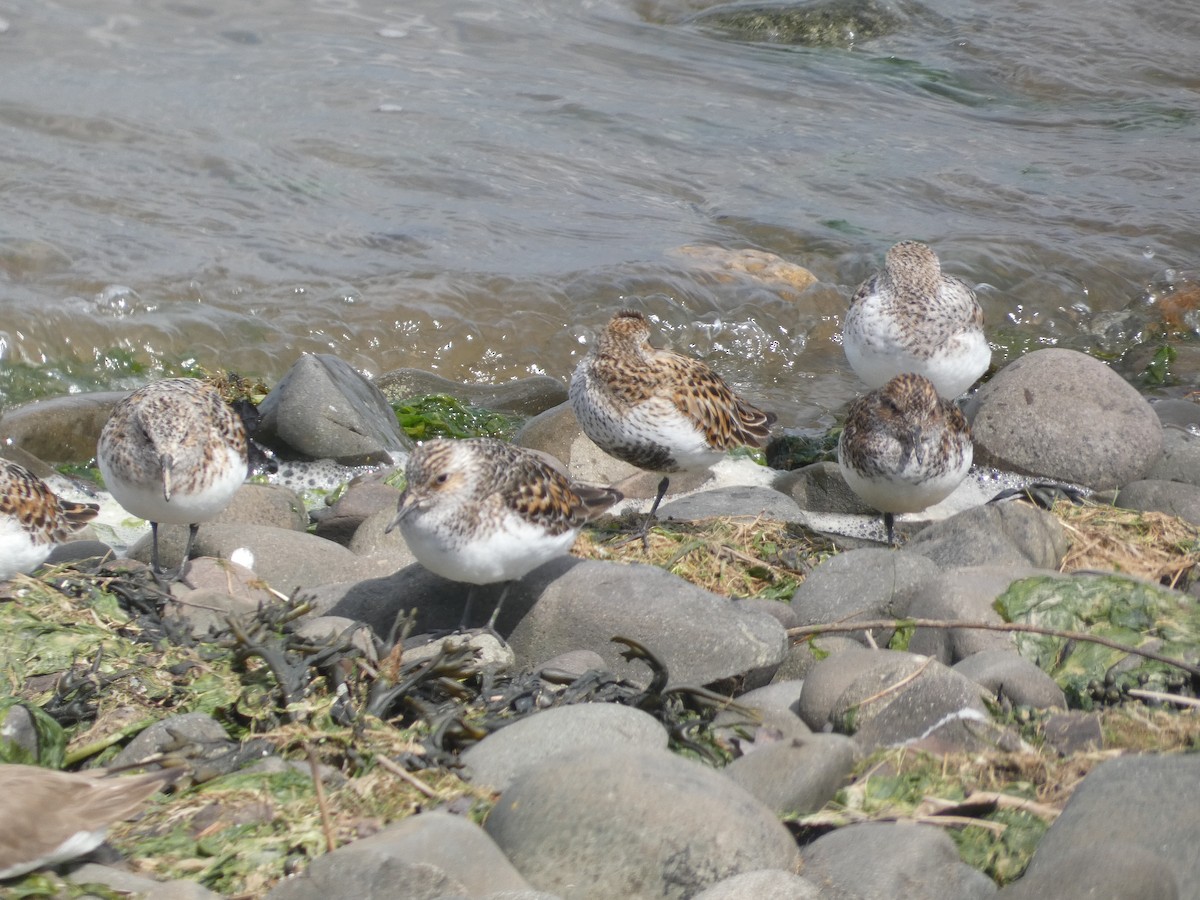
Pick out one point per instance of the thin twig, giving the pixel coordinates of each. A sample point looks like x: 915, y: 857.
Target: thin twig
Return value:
x: 406, y: 776
x: 809, y: 630
x: 322, y: 806
x: 1142, y: 694
x: 911, y: 676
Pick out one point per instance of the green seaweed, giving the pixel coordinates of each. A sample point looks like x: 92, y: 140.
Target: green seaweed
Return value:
x: 440, y: 415
x: 1112, y: 606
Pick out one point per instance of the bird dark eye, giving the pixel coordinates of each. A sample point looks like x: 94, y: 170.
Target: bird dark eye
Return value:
x: 442, y: 479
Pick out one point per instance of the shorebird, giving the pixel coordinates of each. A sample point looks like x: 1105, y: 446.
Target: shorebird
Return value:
x: 482, y: 511
x: 173, y: 452
x: 33, y: 519
x: 656, y: 409
x: 904, y: 448
x: 48, y: 817
x: 910, y: 317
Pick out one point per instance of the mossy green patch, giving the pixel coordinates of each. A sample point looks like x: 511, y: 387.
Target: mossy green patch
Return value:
x: 1111, y: 606
x: 440, y: 415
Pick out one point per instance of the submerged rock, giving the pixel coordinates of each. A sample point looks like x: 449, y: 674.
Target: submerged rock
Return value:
x: 819, y: 23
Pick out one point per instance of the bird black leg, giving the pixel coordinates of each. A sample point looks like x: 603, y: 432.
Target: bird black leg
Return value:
x: 156, y: 565
x: 645, y: 533
x: 889, y: 525
x: 491, y: 625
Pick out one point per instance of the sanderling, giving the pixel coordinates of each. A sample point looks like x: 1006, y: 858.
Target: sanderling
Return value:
x: 33, y: 519
x: 904, y: 448
x: 656, y: 409
x: 482, y: 511
x: 173, y: 452
x: 912, y: 318
x: 51, y: 816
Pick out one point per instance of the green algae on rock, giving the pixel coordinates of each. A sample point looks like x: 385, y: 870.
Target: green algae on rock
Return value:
x: 1122, y: 609
x: 824, y: 23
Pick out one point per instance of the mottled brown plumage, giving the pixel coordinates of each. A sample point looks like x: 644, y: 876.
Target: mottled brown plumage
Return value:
x: 48, y: 816
x: 656, y: 409
x: 482, y: 511
x: 173, y: 451
x: 911, y: 317
x: 903, y: 447
x: 33, y: 518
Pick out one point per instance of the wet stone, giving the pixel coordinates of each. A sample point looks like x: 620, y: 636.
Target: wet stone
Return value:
x: 323, y: 408
x: 525, y: 396
x: 1063, y: 415
x: 642, y: 823
x: 996, y: 534
x: 796, y: 776
x: 1011, y: 677
x: 884, y: 861
x: 505, y: 754
x: 1171, y: 497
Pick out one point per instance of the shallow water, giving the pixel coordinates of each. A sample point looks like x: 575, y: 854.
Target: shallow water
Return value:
x: 473, y: 187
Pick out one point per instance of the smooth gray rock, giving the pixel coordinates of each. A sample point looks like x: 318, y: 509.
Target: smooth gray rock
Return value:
x: 797, y: 776
x: 525, y: 396
x: 995, y: 534
x: 429, y: 856
x: 821, y: 487
x: 783, y: 696
x: 129, y: 883
x: 963, y: 595
x: 76, y: 551
x: 1180, y: 460
x: 59, y: 429
x: 630, y: 823
x: 323, y: 408
x: 1005, y: 673
x: 530, y: 741
x: 1062, y: 414
x: 862, y: 584
x: 802, y: 656
x: 1171, y: 497
x: 751, y: 501
x: 377, y: 601
x: 285, y: 559
x: 884, y: 861
x: 775, y: 718
x: 265, y: 504
x: 700, y: 637
x: 777, y: 609
x: 571, y: 604
x: 363, y: 498
x: 206, y: 613
x: 829, y: 678
x: 557, y: 432
x: 372, y: 538
x: 1142, y: 803
x: 1099, y: 871
x: 765, y: 884
x: 196, y: 727
x: 571, y: 664
x: 904, y: 698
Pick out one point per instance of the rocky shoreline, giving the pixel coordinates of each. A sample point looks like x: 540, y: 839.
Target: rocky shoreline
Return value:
x: 588, y: 802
